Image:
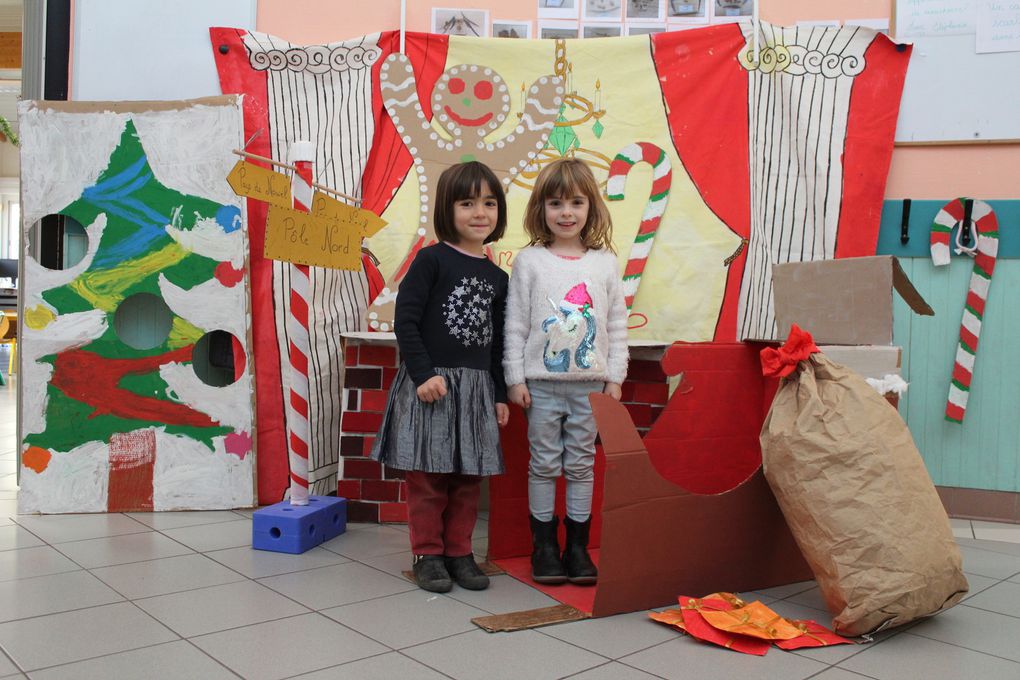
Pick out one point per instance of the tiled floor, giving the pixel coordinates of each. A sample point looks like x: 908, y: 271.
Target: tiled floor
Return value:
x: 181, y: 595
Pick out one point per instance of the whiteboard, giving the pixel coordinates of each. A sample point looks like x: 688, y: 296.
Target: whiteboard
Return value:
x: 131, y: 50
x: 952, y: 93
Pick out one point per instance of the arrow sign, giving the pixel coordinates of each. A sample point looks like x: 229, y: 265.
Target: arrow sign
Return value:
x: 248, y: 179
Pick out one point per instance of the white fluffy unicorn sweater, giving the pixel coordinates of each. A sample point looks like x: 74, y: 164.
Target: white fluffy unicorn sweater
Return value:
x: 565, y: 319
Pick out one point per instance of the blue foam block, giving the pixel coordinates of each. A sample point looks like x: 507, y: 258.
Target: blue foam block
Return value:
x: 287, y: 528
x: 334, y: 515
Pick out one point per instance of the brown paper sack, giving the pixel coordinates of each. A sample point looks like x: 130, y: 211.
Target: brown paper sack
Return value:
x: 858, y: 500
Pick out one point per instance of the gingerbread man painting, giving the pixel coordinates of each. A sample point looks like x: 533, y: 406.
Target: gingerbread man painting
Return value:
x: 470, y: 102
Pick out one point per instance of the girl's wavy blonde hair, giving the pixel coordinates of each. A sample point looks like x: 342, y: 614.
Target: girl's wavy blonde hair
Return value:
x: 565, y: 178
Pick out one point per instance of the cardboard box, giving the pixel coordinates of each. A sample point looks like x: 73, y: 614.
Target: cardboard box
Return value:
x: 870, y: 361
x: 843, y: 302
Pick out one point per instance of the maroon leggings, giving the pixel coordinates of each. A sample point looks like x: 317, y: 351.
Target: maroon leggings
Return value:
x: 441, y: 512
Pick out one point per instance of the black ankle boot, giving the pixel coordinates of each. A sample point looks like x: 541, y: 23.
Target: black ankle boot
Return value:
x: 466, y: 572
x: 430, y: 573
x: 577, y: 562
x: 546, y: 566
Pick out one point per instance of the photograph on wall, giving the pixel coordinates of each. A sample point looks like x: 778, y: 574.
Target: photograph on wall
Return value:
x: 602, y: 10
x: 470, y: 22
x: 644, y: 29
x: 688, y: 11
x: 558, y: 30
x: 511, y: 29
x: 647, y: 10
x: 726, y: 11
x: 880, y: 25
x: 602, y: 31
x: 558, y: 9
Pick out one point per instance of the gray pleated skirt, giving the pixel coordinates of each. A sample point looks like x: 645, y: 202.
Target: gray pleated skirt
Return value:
x: 456, y: 434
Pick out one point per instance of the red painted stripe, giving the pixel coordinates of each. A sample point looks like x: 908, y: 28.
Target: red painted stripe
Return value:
x: 132, y: 460
x: 629, y: 301
x: 298, y: 447
x: 953, y: 411
x: 940, y: 237
x: 650, y: 153
x: 985, y: 263
x: 662, y: 184
x: 619, y: 167
x: 299, y: 308
x: 635, y: 266
x: 648, y: 226
x: 299, y: 404
x: 976, y: 302
x: 300, y: 482
x: 969, y: 338
x: 298, y: 360
x: 955, y: 209
x: 962, y: 375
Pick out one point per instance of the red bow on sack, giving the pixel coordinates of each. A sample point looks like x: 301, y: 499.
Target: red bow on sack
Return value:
x: 779, y: 363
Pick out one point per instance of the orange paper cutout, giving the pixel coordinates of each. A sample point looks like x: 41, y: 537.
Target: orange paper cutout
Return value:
x: 693, y: 612
x: 670, y: 617
x: 755, y: 620
x: 812, y: 635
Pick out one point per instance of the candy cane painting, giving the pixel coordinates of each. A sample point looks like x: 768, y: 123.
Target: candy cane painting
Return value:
x: 984, y: 254
x: 662, y: 180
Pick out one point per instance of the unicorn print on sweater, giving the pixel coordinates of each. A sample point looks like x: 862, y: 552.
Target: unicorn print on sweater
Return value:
x: 571, y: 330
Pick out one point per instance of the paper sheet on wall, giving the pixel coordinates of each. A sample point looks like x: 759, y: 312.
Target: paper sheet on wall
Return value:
x: 998, y: 26
x: 917, y: 18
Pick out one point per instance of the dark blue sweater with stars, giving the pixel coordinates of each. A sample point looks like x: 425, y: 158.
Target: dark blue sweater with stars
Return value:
x: 449, y: 314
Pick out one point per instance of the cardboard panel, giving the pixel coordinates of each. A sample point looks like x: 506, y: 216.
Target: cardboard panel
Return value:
x: 870, y: 361
x: 106, y: 425
x: 843, y: 302
x: 733, y: 541
x: 659, y: 539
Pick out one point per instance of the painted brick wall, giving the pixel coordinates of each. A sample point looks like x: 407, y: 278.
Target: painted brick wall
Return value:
x: 376, y: 493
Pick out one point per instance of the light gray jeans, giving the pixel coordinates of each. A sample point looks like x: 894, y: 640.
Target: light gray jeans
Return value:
x: 561, y: 431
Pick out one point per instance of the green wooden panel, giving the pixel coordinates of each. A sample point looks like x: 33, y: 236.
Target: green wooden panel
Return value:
x: 983, y: 452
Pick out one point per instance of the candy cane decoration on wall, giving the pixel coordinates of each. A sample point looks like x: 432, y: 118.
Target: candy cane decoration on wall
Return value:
x: 662, y: 180
x: 986, y: 227
x: 301, y: 155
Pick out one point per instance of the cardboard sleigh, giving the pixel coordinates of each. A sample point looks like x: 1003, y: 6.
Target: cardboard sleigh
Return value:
x: 685, y: 511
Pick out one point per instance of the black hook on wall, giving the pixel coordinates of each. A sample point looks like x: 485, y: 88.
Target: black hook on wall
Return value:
x: 905, y: 223
x: 968, y: 209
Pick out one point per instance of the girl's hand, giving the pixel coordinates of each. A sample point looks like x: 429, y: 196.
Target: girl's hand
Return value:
x: 614, y: 390
x: 520, y: 395
x: 432, y: 389
x: 502, y: 414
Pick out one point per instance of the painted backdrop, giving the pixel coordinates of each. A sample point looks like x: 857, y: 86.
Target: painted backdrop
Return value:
x: 778, y: 159
x: 106, y: 426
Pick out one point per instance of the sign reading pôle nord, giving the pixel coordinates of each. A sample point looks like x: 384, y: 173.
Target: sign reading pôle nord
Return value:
x: 329, y: 236
x: 295, y: 236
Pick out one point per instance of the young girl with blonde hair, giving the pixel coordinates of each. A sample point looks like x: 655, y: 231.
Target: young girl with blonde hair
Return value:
x: 565, y: 337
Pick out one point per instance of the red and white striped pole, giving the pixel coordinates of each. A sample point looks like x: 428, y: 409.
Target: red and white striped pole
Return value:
x: 301, y: 156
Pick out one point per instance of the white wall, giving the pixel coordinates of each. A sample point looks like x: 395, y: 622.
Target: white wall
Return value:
x: 142, y: 50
